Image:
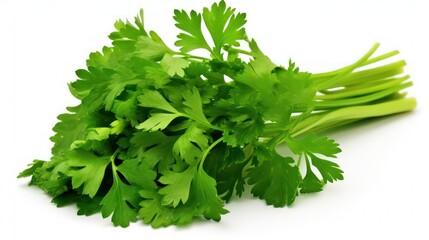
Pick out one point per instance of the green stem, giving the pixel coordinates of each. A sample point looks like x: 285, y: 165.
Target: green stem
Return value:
x: 354, y: 113
x: 381, y: 57
x: 362, y: 89
x: 327, y: 104
x: 332, y: 125
x: 113, y: 158
x: 237, y: 50
x: 206, y: 153
x: 367, y: 62
x: 190, y: 56
x: 299, y: 160
x: 329, y: 82
x: 369, y: 75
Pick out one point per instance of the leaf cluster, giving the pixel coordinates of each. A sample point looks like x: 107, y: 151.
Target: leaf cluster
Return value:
x: 167, y: 136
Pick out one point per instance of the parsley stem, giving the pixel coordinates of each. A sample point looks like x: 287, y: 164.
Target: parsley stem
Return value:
x: 237, y: 50
x: 112, y: 160
x: 190, y: 56
x: 362, y: 89
x: 322, y: 121
x: 353, y: 113
x: 380, y: 58
x: 327, y: 104
x: 299, y: 160
x: 367, y: 62
x: 206, y: 153
x: 327, y: 83
x: 369, y: 75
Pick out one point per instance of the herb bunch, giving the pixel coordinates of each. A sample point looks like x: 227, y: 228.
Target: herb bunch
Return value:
x: 166, y: 135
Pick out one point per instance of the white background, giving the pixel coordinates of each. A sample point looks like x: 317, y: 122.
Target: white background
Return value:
x: 385, y: 191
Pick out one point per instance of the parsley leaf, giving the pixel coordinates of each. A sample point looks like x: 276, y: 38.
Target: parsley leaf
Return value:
x: 69, y: 129
x: 151, y: 47
x: 275, y: 179
x: 190, y: 145
x: 138, y: 173
x: 153, y: 148
x: 330, y: 171
x: 193, y: 37
x: 314, y: 144
x: 258, y: 75
x: 311, y: 183
x: 153, y: 212
x: 224, y: 26
x: 116, y: 201
x: 193, y: 103
x: 91, y: 171
x: 153, y: 99
x: 247, y: 125
x: 204, y: 197
x: 158, y: 121
x: 174, y: 65
x: 178, y: 186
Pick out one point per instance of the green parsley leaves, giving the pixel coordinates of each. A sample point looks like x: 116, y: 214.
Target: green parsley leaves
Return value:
x: 166, y: 136
x: 225, y: 26
x: 275, y: 179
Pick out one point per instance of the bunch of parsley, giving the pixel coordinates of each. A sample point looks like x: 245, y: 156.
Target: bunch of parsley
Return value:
x: 166, y: 136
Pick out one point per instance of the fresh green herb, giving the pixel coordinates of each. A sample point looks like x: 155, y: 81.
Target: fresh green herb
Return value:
x: 165, y: 136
